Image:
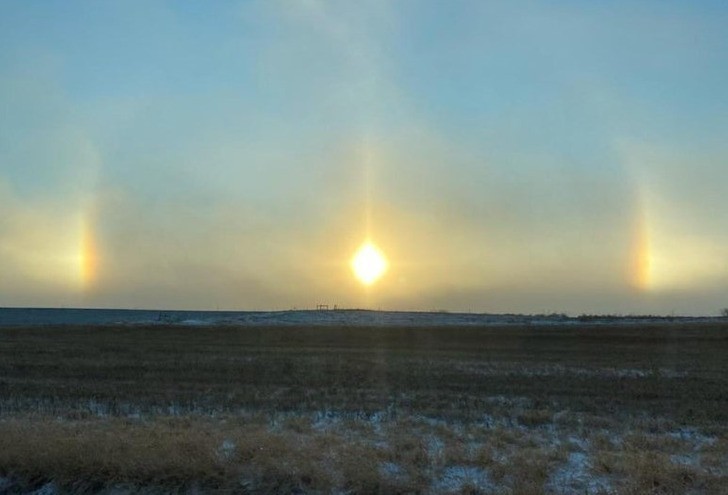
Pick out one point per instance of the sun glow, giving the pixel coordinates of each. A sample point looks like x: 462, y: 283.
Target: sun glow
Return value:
x: 87, y: 255
x: 368, y: 264
x: 643, y: 257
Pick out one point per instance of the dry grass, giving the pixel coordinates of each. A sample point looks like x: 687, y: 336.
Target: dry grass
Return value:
x: 353, y: 410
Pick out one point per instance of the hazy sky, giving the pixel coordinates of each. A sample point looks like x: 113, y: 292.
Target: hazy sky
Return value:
x: 505, y: 156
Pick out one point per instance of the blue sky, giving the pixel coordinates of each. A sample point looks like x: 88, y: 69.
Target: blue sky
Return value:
x: 505, y: 156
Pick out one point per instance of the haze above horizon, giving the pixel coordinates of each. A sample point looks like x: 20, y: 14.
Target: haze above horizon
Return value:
x: 500, y: 157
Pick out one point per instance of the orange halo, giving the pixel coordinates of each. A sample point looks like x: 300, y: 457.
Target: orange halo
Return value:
x: 641, y: 269
x: 87, y: 255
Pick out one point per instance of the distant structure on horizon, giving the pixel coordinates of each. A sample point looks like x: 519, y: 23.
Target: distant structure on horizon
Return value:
x: 325, y: 307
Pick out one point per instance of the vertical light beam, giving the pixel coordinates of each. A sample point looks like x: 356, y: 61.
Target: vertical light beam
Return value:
x: 87, y: 253
x: 642, y: 263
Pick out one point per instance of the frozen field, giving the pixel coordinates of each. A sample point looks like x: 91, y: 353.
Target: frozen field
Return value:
x: 568, y: 408
x: 353, y: 317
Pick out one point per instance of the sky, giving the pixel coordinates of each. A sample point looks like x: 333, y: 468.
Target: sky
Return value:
x: 520, y: 156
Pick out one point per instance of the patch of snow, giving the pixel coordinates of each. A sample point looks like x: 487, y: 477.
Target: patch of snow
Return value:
x: 47, y: 489
x: 435, y: 446
x: 575, y: 478
x: 488, y: 421
x: 455, y: 478
x: 196, y: 323
x: 97, y: 408
x: 579, y: 442
x: 686, y: 459
x: 174, y: 410
x: 694, y: 436
x: 226, y: 451
x: 377, y: 421
x: 325, y: 420
x: 392, y: 471
x: 670, y: 373
x: 506, y: 369
x: 380, y: 444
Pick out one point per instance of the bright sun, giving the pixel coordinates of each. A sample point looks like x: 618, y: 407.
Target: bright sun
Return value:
x: 368, y: 263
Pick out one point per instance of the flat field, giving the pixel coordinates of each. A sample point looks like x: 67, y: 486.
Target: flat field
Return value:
x: 525, y: 410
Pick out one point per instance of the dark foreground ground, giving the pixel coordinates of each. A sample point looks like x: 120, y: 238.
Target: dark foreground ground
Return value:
x: 554, y: 409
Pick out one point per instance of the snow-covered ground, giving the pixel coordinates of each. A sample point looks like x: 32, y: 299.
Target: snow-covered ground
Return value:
x: 354, y: 317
